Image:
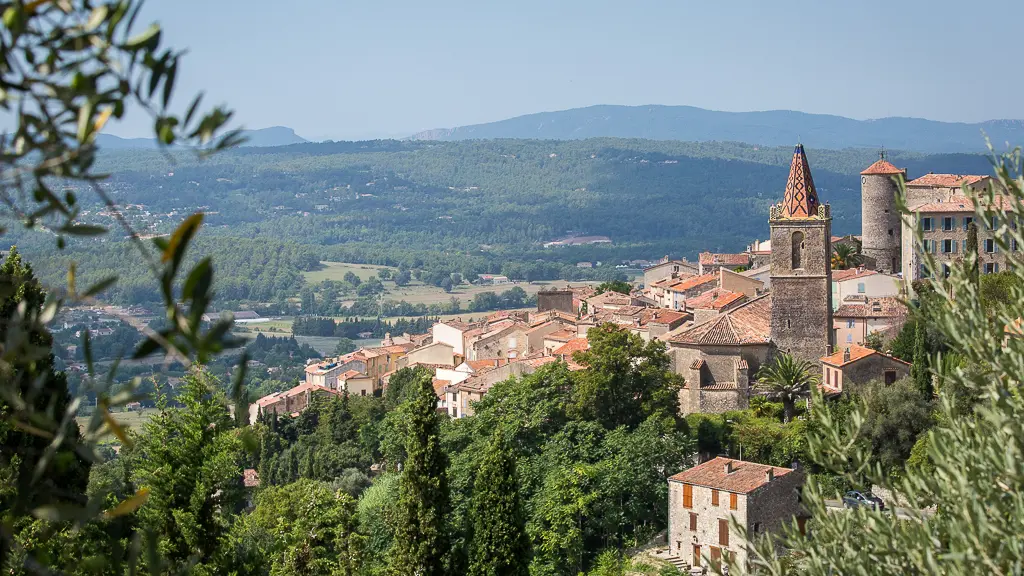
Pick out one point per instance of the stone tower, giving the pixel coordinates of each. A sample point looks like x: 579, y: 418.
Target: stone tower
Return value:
x: 801, y: 267
x: 880, y: 221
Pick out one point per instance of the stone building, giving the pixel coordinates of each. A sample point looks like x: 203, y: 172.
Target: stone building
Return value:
x: 944, y: 227
x: 711, y: 263
x: 561, y: 300
x: 668, y: 269
x: 857, y: 365
x: 719, y: 358
x: 864, y: 283
x: 703, y: 500
x: 881, y: 229
x: 858, y: 317
x: 801, y: 274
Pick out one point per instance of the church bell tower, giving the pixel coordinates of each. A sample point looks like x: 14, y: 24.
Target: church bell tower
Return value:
x: 801, y: 267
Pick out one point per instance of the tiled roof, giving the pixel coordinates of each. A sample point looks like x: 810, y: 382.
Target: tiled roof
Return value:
x: 741, y: 364
x: 882, y: 166
x: 801, y: 198
x: 750, y: 323
x: 561, y: 335
x: 857, y: 352
x: 662, y: 316
x: 715, y: 300
x: 850, y: 274
x: 538, y: 362
x: 439, y: 386
x: 962, y: 204
x: 477, y: 365
x: 574, y: 345
x: 697, y: 364
x: 950, y: 180
x: 351, y: 374
x: 883, y: 307
x: 707, y: 258
x: 250, y: 478
x: 693, y: 282
x: 744, y: 478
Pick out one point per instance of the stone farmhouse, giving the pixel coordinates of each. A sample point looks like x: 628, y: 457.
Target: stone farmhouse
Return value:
x: 857, y: 365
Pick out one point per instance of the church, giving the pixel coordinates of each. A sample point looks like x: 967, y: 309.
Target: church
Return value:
x: 720, y: 357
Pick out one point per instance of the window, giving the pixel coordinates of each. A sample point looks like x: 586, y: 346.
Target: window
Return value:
x: 890, y: 229
x: 1013, y: 245
x: 732, y: 501
x: 849, y: 338
x: 757, y: 527
x: 693, y: 522
x: 990, y: 245
x: 687, y: 496
x: 890, y: 377
x: 947, y: 223
x: 926, y: 224
x: 861, y: 288
x: 990, y: 268
x: 851, y: 323
x: 967, y: 222
x: 512, y: 342
x: 948, y: 246
x: 714, y: 497
x: 798, y: 247
x: 963, y: 246
x: 945, y: 270
x: 723, y: 532
x: 995, y: 222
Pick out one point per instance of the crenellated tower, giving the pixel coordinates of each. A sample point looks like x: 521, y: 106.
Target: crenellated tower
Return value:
x: 801, y: 270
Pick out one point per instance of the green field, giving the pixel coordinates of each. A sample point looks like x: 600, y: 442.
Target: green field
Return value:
x: 133, y: 419
x: 337, y: 270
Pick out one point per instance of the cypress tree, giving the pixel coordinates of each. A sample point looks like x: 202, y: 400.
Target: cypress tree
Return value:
x: 420, y: 543
x: 919, y: 370
x: 307, y: 463
x: 972, y: 250
x: 293, y: 466
x: 499, y: 546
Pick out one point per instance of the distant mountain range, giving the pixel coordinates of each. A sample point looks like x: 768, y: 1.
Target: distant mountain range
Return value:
x: 773, y: 128
x: 264, y: 137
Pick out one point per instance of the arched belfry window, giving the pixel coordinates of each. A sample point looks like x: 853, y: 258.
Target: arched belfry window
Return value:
x: 798, y: 249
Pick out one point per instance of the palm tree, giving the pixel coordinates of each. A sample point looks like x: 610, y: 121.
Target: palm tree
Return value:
x: 845, y: 256
x: 786, y: 379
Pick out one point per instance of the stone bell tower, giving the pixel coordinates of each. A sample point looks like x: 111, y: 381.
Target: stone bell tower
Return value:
x: 801, y: 268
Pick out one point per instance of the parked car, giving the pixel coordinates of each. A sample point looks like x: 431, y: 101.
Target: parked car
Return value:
x: 856, y: 499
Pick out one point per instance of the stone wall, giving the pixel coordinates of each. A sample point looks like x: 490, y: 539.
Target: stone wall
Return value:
x: 880, y: 222
x: 775, y: 503
x: 801, y: 322
x: 872, y: 368
x: 681, y: 539
x: 555, y: 300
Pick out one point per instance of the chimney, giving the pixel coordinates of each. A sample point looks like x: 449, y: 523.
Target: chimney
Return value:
x: 769, y: 474
x: 846, y: 355
x: 728, y: 467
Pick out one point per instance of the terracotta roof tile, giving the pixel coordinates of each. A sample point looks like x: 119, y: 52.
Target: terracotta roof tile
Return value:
x: 574, y: 345
x: 697, y: 364
x: 439, y: 386
x: 857, y: 352
x: 538, y: 362
x: 662, y: 316
x: 882, y: 166
x: 750, y: 323
x: 351, y: 374
x: 707, y: 258
x: 745, y: 477
x: 693, y: 282
x: 883, y: 307
x: 715, y: 300
x: 250, y: 478
x: 962, y: 204
x: 801, y: 197
x: 947, y: 180
x: 850, y: 274
x: 478, y: 365
x: 561, y: 335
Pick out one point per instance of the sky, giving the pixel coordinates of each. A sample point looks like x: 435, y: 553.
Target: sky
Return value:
x: 390, y: 68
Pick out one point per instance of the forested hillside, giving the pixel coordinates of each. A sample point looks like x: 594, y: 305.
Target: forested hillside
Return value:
x: 770, y: 128
x: 467, y: 207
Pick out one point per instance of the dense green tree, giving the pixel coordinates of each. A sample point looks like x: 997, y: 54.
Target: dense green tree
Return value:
x: 499, y: 543
x: 189, y: 460
x: 420, y: 544
x: 619, y: 286
x: 971, y: 253
x: 627, y: 380
x: 896, y: 416
x: 919, y: 370
x: 786, y: 379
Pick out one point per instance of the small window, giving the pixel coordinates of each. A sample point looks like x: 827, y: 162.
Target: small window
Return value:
x: 714, y: 497
x: 851, y: 323
x: 693, y: 522
x: 967, y: 222
x: 1013, y: 245
x: 948, y: 246
x: 890, y: 377
x: 861, y: 288
x: 995, y: 222
x: 945, y: 270
x: 757, y: 527
x: 926, y: 224
x: 890, y: 229
x: 990, y: 246
x: 947, y: 223
x: 732, y: 501
x: 849, y: 338
x: 990, y: 268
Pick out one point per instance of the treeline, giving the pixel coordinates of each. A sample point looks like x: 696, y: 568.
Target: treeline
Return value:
x: 351, y: 328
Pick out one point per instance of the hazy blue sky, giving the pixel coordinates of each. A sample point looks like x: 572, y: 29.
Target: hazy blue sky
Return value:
x: 376, y: 68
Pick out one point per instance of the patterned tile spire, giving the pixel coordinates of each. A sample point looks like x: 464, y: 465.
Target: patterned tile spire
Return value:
x: 801, y: 199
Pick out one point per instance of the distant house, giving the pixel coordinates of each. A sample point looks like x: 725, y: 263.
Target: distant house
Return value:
x: 290, y: 402
x: 703, y: 501
x: 584, y: 264
x: 711, y: 263
x: 492, y: 279
x: 859, y: 365
x: 864, y: 283
x: 669, y: 269
x: 858, y: 317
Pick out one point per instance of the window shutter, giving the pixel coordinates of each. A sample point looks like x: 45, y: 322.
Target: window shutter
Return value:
x: 953, y: 242
x: 687, y: 496
x: 732, y: 501
x: 714, y: 497
x: 723, y: 532
x: 693, y: 522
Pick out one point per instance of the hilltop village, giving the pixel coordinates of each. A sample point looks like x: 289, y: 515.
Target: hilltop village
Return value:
x: 832, y: 302
x: 721, y: 318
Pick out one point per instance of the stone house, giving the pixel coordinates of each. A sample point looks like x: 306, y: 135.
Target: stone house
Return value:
x: 505, y: 339
x: 703, y: 500
x: 440, y: 353
x: 380, y: 361
x: 674, y: 295
x: 561, y: 300
x: 608, y: 301
x: 324, y: 374
x: 558, y: 338
x: 357, y: 383
x: 740, y: 282
x: 944, y: 227
x: 290, y: 402
x: 460, y: 396
x: 857, y: 365
x: 719, y: 357
x: 536, y: 334
x: 857, y: 317
x: 452, y: 332
x: 656, y: 322
x: 710, y: 263
x: 712, y: 303
x: 669, y: 269
x: 864, y: 283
